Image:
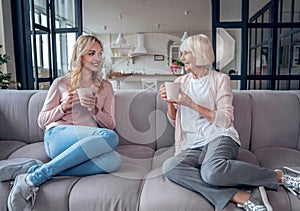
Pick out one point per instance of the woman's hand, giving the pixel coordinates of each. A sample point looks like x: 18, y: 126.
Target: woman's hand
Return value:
x: 162, y: 92
x: 171, y: 107
x: 184, y: 100
x: 67, y: 105
x: 89, y: 101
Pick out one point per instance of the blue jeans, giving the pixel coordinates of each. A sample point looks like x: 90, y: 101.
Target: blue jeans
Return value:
x: 214, y: 172
x: 77, y: 151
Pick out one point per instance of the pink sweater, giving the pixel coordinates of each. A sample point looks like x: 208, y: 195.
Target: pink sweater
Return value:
x: 52, y: 113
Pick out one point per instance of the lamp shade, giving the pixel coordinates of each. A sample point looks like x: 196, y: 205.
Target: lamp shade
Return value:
x: 120, y: 39
x: 185, y: 35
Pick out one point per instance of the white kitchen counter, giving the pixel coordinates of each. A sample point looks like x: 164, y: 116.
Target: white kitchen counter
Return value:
x: 134, y: 81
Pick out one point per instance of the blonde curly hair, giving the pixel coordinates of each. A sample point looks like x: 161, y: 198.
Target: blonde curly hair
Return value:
x: 82, y: 46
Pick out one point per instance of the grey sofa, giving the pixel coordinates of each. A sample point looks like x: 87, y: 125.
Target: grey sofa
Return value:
x: 267, y: 121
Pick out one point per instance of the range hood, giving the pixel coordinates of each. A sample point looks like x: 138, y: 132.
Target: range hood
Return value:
x: 140, y: 49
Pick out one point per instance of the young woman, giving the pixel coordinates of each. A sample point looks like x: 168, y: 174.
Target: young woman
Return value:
x: 79, y: 136
x: 207, y: 143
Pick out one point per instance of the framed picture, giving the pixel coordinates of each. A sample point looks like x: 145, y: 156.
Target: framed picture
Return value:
x: 159, y: 57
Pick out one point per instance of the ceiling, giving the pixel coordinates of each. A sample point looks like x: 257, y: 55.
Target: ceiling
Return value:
x: 160, y: 16
x: 132, y: 16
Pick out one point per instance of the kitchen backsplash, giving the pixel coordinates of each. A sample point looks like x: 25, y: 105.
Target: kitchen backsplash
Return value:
x: 155, y: 61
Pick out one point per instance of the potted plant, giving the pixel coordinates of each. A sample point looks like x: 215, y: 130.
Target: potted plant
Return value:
x: 177, y: 65
x: 5, y: 78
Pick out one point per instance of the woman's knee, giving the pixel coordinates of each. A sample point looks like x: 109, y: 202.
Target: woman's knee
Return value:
x: 169, y: 167
x: 115, y: 162
x: 111, y: 138
x: 213, y: 174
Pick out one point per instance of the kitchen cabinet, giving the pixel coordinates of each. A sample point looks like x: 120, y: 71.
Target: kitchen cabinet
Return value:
x: 134, y: 81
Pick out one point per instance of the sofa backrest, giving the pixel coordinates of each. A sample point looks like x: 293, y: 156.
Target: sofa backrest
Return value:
x: 167, y: 136
x: 242, y: 104
x: 135, y: 117
x: 275, y: 119
x: 262, y: 118
x: 18, y: 112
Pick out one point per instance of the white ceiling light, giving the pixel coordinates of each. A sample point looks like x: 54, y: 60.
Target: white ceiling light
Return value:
x: 121, y: 40
x: 185, y: 35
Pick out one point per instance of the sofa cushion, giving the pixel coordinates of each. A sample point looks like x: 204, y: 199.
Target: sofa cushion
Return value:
x: 276, y: 157
x: 136, y: 161
x: 55, y: 194
x: 165, y: 135
x: 108, y: 192
x: 161, y: 194
x: 242, y: 116
x: 7, y: 147
x: 5, y: 189
x: 275, y: 119
x: 14, y: 115
x: 36, y: 103
x: 247, y: 156
x: 135, y: 117
x: 35, y: 150
x: 279, y: 201
x: 161, y: 155
x: 118, y: 190
x: 297, y: 92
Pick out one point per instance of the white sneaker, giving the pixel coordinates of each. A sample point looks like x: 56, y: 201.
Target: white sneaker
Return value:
x: 291, y: 180
x: 258, y: 201
x: 11, y: 168
x: 21, y: 194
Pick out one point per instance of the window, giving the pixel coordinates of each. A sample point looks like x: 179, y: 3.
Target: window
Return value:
x: 174, y: 52
x: 274, y: 50
x: 267, y: 53
x: 49, y: 35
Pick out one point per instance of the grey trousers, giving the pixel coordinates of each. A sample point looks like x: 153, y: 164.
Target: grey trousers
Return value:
x: 214, y: 172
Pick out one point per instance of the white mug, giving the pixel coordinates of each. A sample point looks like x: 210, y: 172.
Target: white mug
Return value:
x: 172, y: 90
x: 83, y: 91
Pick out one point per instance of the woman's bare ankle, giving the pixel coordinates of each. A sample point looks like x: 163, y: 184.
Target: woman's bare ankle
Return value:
x: 240, y: 197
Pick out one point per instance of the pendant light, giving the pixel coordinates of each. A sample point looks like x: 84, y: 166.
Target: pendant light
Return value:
x: 185, y: 35
x: 121, y: 40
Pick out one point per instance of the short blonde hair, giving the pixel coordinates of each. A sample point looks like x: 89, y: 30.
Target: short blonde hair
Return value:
x: 201, y: 48
x: 81, y: 47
